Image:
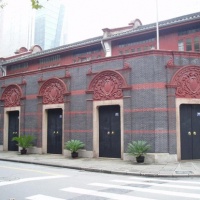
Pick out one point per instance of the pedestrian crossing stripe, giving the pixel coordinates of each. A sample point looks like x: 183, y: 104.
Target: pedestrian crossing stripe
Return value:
x: 159, y: 185
x: 102, y: 194
x: 171, y: 193
x: 31, y: 179
x: 43, y: 197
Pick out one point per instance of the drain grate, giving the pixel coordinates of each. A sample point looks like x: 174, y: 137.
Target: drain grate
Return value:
x: 184, y: 172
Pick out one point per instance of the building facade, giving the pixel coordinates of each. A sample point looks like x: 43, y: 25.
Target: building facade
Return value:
x: 48, y: 29
x: 106, y: 94
x: 44, y: 27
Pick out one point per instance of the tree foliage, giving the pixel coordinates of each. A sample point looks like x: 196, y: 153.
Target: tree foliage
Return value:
x: 34, y: 3
x: 2, y: 4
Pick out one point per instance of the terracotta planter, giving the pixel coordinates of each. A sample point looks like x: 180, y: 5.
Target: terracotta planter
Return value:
x: 74, y: 154
x: 140, y: 159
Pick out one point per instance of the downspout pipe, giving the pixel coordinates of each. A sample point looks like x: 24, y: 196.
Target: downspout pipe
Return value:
x: 104, y: 49
x: 2, y: 69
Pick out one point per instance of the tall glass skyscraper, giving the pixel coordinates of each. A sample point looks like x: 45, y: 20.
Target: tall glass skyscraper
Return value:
x: 21, y: 26
x: 49, y: 24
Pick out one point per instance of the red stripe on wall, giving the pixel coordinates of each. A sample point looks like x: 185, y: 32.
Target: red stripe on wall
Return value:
x: 150, y: 131
x: 74, y: 92
x: 31, y: 130
x: 151, y: 110
x: 31, y: 96
x: 77, y: 92
x: 32, y: 114
x: 79, y: 131
x: 78, y: 112
x: 145, y: 86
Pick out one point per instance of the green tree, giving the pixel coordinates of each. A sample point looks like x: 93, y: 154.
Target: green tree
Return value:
x: 2, y: 4
x: 35, y: 4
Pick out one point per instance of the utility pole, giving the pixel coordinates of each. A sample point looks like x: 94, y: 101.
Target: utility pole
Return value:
x: 157, y: 26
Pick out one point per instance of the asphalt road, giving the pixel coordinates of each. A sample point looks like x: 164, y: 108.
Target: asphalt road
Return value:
x: 34, y: 182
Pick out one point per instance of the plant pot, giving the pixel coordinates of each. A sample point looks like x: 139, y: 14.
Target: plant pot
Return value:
x: 140, y: 159
x: 23, y: 151
x: 74, y: 154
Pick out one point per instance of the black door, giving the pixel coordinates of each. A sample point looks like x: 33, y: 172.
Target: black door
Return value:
x: 190, y: 131
x: 13, y: 130
x: 54, y: 131
x: 109, y: 132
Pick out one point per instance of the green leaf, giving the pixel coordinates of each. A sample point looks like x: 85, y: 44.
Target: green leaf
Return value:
x: 138, y: 148
x: 74, y: 145
x: 24, y: 141
x: 35, y: 4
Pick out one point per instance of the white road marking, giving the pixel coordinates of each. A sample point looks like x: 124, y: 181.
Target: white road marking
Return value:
x: 169, y: 193
x: 102, y: 194
x: 29, y: 170
x: 159, y: 185
x: 164, y: 180
x: 30, y: 179
x: 43, y: 197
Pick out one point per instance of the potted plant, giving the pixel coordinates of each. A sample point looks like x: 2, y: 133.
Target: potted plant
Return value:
x: 24, y: 141
x: 74, y: 146
x: 138, y: 149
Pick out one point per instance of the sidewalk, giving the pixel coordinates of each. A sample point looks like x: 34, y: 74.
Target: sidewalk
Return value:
x: 106, y: 165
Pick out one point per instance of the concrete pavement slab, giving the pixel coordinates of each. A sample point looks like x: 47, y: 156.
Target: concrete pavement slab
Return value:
x: 106, y: 165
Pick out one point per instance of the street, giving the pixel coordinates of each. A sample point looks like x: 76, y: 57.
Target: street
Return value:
x: 20, y: 181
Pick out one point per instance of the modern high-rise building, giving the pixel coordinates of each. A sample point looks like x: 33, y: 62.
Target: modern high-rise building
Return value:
x: 49, y: 24
x: 43, y: 27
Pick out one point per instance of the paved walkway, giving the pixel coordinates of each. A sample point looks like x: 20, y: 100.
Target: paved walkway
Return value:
x: 104, y: 165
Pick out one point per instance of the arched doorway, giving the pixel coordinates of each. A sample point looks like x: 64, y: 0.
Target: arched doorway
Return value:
x: 52, y: 92
x: 186, y: 82
x: 11, y: 96
x: 108, y: 122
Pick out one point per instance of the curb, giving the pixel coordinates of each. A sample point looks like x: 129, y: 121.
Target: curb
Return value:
x: 127, y: 173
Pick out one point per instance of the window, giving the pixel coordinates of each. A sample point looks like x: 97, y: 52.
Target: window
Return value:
x: 132, y: 50
x: 120, y: 52
x: 188, y: 44
x: 145, y: 48
x: 127, y: 51
x: 180, y: 45
x: 196, y: 44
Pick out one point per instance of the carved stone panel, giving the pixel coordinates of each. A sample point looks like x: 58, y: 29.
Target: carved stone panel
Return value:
x: 107, y: 85
x: 11, y: 96
x: 187, y: 82
x: 52, y: 91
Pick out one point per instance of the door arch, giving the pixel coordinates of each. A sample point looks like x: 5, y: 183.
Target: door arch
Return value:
x: 107, y: 89
x: 11, y: 96
x: 186, y: 82
x: 52, y: 93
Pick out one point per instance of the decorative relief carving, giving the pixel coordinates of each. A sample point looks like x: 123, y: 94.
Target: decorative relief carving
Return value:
x: 187, y: 82
x: 52, y: 91
x: 107, y: 85
x: 11, y: 96
x: 170, y: 62
x: 67, y: 74
x: 126, y: 65
x: 90, y: 70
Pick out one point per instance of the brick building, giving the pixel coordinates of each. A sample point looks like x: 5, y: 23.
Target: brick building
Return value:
x: 107, y: 91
